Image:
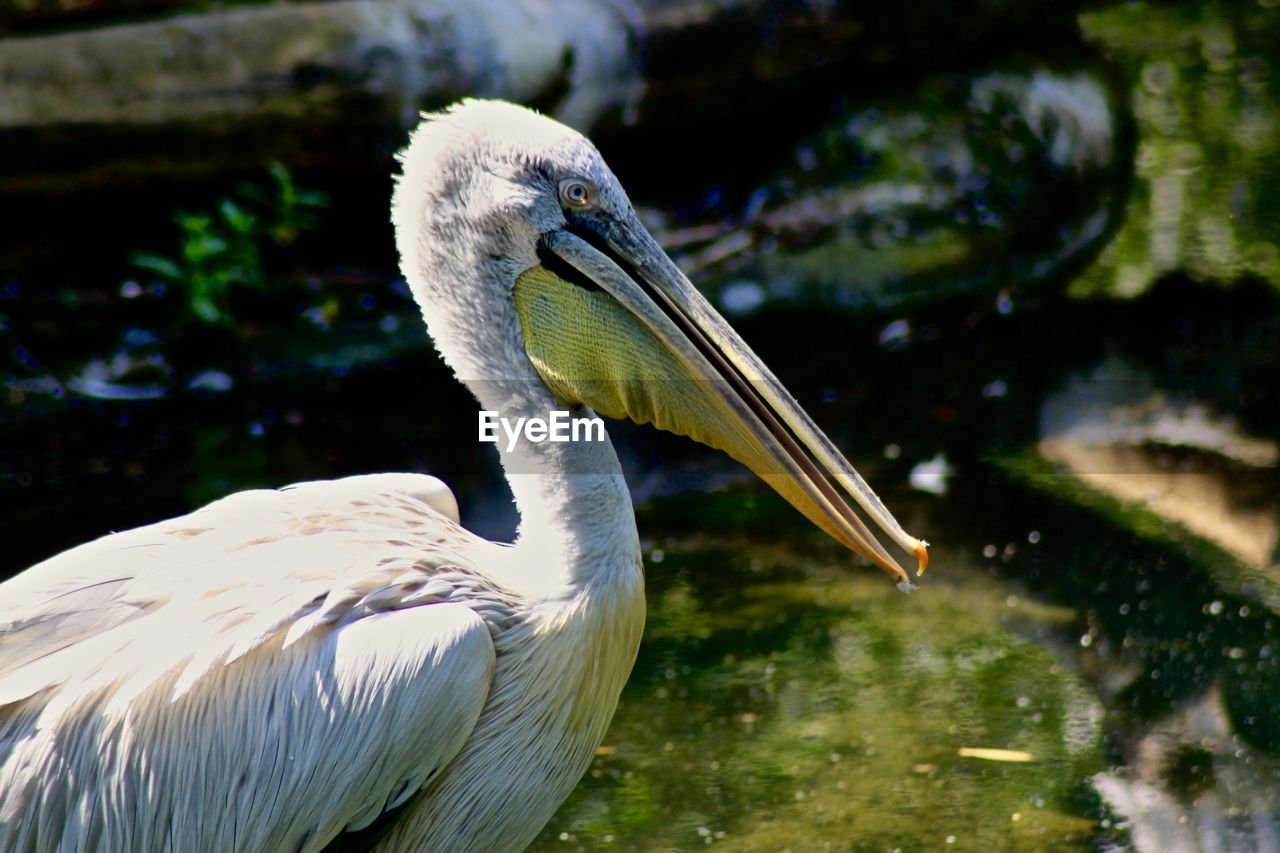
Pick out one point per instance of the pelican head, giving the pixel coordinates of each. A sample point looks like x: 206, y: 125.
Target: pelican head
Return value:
x: 531, y: 267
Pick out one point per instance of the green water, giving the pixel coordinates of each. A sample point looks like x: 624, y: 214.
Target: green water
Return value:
x: 989, y: 255
x: 783, y: 701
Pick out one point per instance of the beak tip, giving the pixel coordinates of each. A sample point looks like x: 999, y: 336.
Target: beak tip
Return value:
x: 922, y: 556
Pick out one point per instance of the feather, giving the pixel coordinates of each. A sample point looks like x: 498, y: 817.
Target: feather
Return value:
x: 133, y: 657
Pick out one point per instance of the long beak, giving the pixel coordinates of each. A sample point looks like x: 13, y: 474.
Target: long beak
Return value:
x: 743, y: 409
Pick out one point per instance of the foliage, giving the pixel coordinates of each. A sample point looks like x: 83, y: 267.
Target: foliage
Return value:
x: 289, y: 209
x: 222, y: 249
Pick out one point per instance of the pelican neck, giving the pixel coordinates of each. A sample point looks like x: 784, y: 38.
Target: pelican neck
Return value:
x: 577, y: 523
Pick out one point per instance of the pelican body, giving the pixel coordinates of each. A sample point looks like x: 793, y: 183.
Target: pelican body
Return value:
x: 341, y: 665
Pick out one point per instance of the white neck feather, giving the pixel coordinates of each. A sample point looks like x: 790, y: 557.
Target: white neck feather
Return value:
x: 576, y: 517
x: 466, y: 228
x: 577, y: 525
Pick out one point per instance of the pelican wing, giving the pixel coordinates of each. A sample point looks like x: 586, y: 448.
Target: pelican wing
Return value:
x: 154, y: 683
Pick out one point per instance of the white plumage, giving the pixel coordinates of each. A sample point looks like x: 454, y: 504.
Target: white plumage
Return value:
x: 245, y: 677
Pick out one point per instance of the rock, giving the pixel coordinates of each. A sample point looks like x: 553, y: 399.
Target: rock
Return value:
x: 1006, y: 179
x: 335, y: 83
x: 292, y: 78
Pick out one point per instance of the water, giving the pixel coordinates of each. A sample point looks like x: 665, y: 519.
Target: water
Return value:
x: 783, y: 701
x: 1069, y: 386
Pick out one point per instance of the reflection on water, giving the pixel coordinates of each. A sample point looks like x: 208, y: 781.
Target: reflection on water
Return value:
x: 1117, y: 432
x: 1191, y: 786
x: 1206, y: 96
x: 1099, y: 476
x: 782, y: 701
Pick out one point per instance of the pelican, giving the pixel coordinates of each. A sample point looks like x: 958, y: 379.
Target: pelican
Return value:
x: 340, y: 664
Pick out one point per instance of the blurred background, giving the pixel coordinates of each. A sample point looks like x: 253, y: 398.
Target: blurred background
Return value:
x: 1021, y: 262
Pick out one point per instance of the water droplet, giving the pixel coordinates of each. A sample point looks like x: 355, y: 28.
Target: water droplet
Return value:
x: 211, y: 382
x: 931, y: 475
x: 895, y: 335
x: 741, y: 297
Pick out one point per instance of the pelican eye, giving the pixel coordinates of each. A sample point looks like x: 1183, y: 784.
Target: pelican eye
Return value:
x: 575, y: 193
